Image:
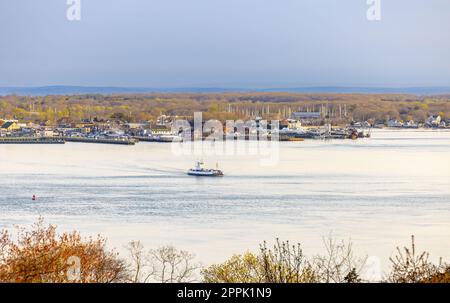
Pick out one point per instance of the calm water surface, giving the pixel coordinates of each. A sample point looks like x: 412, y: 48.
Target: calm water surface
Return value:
x: 376, y: 191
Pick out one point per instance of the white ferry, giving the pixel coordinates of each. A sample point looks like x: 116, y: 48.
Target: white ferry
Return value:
x: 204, y: 172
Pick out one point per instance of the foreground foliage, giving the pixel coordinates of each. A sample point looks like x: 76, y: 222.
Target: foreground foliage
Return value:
x: 286, y: 263
x: 409, y: 266
x: 163, y: 265
x: 41, y: 255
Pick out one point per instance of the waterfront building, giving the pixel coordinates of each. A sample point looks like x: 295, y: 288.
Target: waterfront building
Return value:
x: 306, y: 116
x: 394, y: 123
x: 10, y: 126
x: 433, y: 121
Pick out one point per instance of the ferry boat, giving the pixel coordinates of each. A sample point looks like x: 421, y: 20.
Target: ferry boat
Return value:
x: 204, y: 172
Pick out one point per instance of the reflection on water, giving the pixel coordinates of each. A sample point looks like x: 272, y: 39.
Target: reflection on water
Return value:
x: 376, y: 191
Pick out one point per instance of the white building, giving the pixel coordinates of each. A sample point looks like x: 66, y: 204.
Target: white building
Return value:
x: 433, y: 121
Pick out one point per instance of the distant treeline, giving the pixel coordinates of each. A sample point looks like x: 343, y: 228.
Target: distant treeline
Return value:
x: 222, y: 106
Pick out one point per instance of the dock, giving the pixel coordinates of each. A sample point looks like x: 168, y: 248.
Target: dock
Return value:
x: 100, y: 140
x: 162, y: 139
x: 144, y: 139
x: 31, y: 140
x: 291, y: 139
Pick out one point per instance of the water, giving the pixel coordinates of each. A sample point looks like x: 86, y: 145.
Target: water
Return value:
x: 376, y: 191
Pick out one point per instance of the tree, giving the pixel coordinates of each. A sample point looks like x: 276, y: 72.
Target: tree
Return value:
x: 283, y: 263
x: 42, y: 255
x: 119, y: 116
x: 172, y: 265
x: 246, y: 268
x: 20, y: 113
x: 408, y: 266
x: 339, y: 264
x: 443, y: 276
x: 138, y: 266
x: 352, y: 277
x: 164, y: 265
x: 64, y: 113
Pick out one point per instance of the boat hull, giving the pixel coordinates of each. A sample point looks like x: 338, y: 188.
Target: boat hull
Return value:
x: 205, y: 173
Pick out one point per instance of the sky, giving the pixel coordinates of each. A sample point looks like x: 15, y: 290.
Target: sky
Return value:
x: 225, y: 43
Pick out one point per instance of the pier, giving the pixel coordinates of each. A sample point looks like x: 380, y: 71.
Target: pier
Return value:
x: 31, y: 140
x: 159, y: 139
x: 100, y: 140
x: 144, y: 139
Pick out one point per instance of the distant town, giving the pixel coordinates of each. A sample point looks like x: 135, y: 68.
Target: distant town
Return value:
x: 301, y: 125
x: 124, y: 119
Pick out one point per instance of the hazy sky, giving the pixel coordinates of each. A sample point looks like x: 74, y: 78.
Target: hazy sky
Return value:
x: 234, y: 43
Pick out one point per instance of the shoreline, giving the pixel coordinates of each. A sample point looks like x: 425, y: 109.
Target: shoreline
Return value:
x: 135, y: 140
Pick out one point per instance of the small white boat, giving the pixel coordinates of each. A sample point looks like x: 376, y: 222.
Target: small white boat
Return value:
x: 204, y: 172
x: 292, y: 131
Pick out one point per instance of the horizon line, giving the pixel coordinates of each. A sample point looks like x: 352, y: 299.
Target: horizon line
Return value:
x: 319, y: 89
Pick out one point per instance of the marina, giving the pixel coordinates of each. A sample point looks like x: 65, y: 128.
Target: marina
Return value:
x: 305, y: 126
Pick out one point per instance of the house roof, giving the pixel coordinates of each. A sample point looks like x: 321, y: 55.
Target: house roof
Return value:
x: 6, y: 125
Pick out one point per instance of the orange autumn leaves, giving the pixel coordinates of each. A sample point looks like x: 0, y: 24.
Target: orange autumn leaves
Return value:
x: 43, y: 256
